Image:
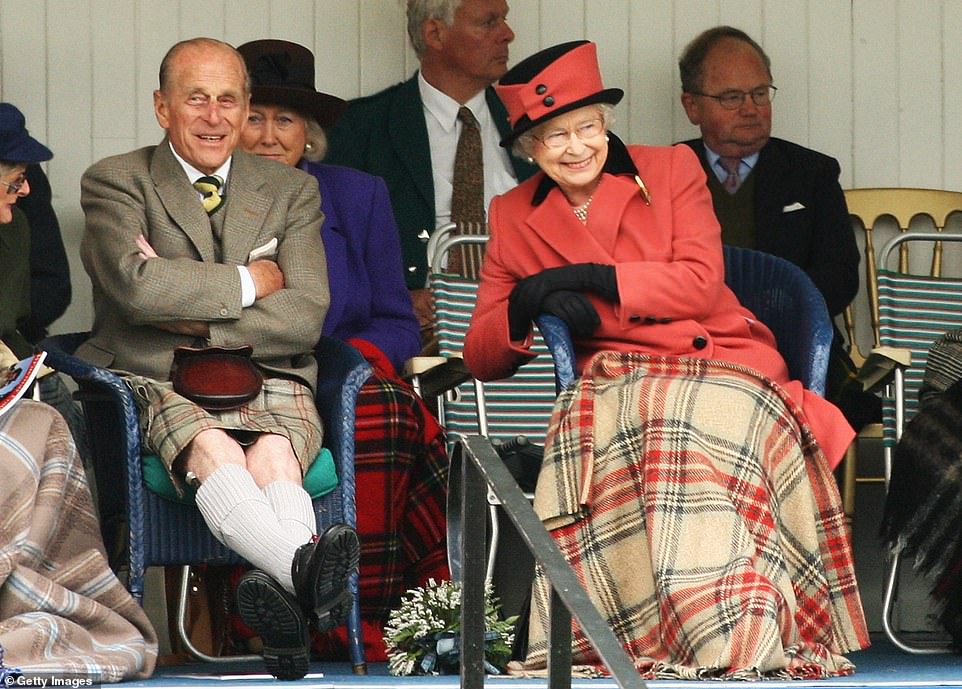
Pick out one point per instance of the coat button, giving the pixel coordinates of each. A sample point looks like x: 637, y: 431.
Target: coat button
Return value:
x: 664, y: 321
x: 634, y: 318
x: 548, y: 102
x: 223, y: 312
x: 700, y: 342
x: 540, y: 89
x: 650, y: 320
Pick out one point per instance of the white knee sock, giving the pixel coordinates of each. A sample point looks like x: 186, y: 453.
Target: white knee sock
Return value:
x: 241, y: 518
x: 294, y: 509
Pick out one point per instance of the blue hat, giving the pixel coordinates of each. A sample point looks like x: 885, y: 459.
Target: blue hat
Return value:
x: 16, y: 145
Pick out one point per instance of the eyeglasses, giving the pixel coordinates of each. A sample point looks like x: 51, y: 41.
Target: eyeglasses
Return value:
x: 559, y: 138
x: 732, y: 100
x: 16, y: 185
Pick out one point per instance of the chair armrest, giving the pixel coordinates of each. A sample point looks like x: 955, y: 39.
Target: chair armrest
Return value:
x: 341, y: 373
x: 558, y: 339
x: 880, y: 365
x: 436, y: 374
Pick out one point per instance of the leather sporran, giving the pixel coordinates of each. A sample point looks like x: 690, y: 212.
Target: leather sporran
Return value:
x: 216, y: 378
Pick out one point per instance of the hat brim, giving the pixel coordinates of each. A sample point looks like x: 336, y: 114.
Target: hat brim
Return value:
x: 610, y: 96
x: 321, y: 106
x: 26, y: 150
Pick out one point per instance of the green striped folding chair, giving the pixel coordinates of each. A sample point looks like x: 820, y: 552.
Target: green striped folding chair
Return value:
x: 500, y: 410
x: 914, y: 311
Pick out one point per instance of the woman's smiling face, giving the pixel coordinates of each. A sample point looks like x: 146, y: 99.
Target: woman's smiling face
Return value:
x: 12, y: 179
x: 572, y: 149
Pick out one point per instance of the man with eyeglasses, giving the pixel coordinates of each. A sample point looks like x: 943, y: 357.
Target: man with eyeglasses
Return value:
x: 768, y: 193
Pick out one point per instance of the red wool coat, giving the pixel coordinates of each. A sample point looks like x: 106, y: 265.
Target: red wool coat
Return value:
x: 669, y: 266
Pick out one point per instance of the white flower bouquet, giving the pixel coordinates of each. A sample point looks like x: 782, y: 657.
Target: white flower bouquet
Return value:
x: 423, y: 635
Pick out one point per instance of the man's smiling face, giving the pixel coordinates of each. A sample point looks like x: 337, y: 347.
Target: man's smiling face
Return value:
x: 204, y: 105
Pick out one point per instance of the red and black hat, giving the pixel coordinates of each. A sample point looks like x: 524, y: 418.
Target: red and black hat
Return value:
x: 552, y: 82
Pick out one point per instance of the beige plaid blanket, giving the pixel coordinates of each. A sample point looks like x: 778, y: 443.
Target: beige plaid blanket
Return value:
x: 62, y: 610
x: 701, y: 516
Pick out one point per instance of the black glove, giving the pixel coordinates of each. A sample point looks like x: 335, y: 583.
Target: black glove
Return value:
x: 527, y: 298
x: 575, y: 310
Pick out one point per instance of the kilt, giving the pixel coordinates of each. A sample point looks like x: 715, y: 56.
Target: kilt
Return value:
x: 701, y: 516
x: 169, y: 422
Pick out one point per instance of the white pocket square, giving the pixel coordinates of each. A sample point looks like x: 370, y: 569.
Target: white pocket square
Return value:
x: 268, y: 249
x: 793, y: 207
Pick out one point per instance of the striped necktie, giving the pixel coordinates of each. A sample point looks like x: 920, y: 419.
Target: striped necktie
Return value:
x: 731, y: 166
x: 209, y: 188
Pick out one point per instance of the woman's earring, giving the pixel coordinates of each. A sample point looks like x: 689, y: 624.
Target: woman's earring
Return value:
x: 606, y: 138
x: 308, y: 147
x: 529, y: 159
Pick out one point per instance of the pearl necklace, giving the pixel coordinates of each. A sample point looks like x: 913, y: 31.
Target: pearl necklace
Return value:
x: 581, y: 212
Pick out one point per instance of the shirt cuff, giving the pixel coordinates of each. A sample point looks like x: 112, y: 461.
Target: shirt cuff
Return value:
x: 248, y: 289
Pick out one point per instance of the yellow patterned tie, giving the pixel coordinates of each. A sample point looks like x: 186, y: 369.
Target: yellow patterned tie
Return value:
x: 209, y: 187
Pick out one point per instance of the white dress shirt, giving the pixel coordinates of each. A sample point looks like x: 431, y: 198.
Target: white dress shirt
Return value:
x: 248, y: 288
x: 444, y: 128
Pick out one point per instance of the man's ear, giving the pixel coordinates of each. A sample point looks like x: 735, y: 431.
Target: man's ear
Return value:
x: 691, y: 108
x: 160, y: 109
x: 432, y: 31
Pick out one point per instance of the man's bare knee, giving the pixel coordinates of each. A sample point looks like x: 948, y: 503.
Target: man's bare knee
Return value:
x: 208, y: 451
x: 271, y: 458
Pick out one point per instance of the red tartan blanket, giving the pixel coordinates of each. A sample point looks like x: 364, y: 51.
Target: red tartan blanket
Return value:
x: 703, y: 520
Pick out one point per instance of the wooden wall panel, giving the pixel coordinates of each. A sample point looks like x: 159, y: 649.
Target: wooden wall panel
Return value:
x: 874, y: 83
x: 830, y: 83
x: 875, y: 93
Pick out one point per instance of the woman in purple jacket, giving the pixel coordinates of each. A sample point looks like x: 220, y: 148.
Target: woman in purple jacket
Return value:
x: 400, y: 457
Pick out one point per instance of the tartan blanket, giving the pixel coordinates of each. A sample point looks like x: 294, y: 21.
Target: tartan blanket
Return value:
x: 702, y: 518
x: 62, y: 610
x: 923, y: 506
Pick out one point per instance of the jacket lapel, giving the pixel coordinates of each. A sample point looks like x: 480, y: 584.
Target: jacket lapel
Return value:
x: 409, y: 136
x: 180, y: 200
x: 770, y: 173
x: 246, y: 210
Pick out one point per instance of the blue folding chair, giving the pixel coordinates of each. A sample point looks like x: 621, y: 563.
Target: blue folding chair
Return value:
x: 163, y: 532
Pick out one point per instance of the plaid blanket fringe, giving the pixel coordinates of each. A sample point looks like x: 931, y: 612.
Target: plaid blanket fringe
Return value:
x: 702, y: 518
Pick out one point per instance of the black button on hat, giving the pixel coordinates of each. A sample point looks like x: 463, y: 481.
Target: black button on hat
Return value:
x: 700, y: 342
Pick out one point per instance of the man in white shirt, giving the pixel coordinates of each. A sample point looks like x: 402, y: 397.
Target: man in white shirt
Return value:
x: 408, y: 133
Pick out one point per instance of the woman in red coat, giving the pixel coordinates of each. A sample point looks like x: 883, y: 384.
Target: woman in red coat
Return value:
x: 684, y: 460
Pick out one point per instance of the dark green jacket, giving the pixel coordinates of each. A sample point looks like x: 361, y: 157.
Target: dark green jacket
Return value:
x: 15, y: 282
x: 384, y: 134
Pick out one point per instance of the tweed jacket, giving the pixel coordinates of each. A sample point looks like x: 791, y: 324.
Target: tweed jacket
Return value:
x: 669, y: 267
x: 800, y: 215
x: 385, y: 134
x: 271, y: 210
x: 368, y: 297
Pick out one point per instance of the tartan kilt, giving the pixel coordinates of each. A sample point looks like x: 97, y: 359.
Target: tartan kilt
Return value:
x: 702, y: 518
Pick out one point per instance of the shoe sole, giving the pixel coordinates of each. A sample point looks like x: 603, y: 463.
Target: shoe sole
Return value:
x: 274, y: 615
x: 341, y: 553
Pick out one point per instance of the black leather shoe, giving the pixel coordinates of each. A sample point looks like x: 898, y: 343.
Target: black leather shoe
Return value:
x: 274, y: 615
x: 321, y: 570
